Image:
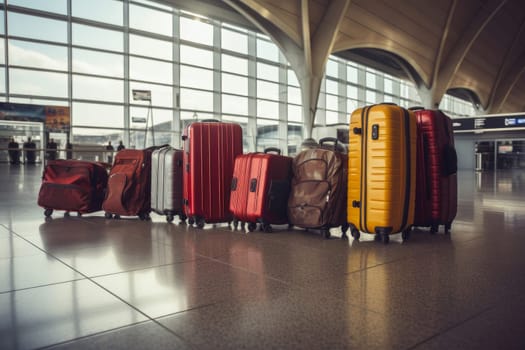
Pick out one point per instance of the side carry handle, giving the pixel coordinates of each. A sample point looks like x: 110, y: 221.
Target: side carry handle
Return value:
x: 416, y: 108
x: 272, y: 149
x: 209, y: 121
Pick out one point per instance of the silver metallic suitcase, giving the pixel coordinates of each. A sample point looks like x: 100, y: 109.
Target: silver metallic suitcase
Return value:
x: 166, y: 183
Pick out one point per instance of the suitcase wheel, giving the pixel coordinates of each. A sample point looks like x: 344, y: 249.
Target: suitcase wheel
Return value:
x: 325, y: 232
x: 355, y: 233
x: 116, y: 216
x: 143, y: 216
x: 200, y: 222
x: 252, y: 226
x: 266, y: 228
x: 182, y: 218
x: 66, y: 214
x: 191, y: 220
x: 344, y: 228
x: 235, y: 224
x: 385, y: 237
x: 79, y: 214
x: 447, y: 228
x: 406, y: 234
x: 108, y: 215
x: 169, y: 218
x: 48, y: 212
x: 434, y: 229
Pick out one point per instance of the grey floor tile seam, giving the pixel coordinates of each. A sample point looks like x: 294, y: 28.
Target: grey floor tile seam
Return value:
x: 243, y: 269
x: 451, y: 327
x: 105, y: 289
x: 42, y: 285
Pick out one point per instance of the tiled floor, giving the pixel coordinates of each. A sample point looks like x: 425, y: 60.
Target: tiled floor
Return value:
x: 92, y: 283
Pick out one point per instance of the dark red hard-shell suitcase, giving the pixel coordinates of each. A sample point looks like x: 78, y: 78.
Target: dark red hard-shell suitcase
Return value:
x: 436, y: 178
x: 210, y: 149
x: 73, y: 185
x: 129, y: 184
x: 260, y: 188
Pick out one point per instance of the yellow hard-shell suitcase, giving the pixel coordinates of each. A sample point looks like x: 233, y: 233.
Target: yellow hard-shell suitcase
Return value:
x: 382, y: 171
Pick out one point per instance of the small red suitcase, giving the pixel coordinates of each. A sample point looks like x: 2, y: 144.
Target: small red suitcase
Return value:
x: 260, y: 188
x: 129, y: 184
x: 72, y: 185
x: 436, y: 179
x: 210, y: 149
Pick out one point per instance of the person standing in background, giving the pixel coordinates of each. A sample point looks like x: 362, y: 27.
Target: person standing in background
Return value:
x: 30, y: 154
x: 52, y: 150
x: 110, y: 150
x: 14, y: 152
x: 120, y: 146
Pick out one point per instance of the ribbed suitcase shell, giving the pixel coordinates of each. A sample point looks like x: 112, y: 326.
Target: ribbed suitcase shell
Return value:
x: 210, y: 149
x: 166, y: 182
x: 382, y: 169
x: 260, y: 188
x: 436, y: 191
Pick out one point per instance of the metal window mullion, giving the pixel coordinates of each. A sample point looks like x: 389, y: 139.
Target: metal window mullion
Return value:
x: 127, y: 108
x: 177, y: 120
x: 6, y: 54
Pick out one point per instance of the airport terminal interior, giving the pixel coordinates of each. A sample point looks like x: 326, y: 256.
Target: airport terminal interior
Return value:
x: 94, y: 283
x: 87, y: 74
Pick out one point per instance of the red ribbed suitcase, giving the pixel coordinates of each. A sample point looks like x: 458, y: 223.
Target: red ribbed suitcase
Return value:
x: 260, y: 188
x: 436, y: 178
x: 210, y: 149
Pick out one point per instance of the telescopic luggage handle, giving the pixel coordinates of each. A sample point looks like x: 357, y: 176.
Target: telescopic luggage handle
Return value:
x: 272, y: 149
x: 209, y: 121
x: 328, y: 139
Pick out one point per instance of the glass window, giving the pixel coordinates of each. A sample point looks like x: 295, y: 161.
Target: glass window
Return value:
x: 196, y: 100
x: 2, y: 81
x: 37, y: 27
x: 234, y: 84
x: 56, y: 6
x: 150, y: 20
x: 234, y: 104
x: 267, y: 50
x: 93, y: 88
x: 90, y: 36
x: 332, y: 117
x: 294, y: 95
x: 370, y: 80
x: 141, y: 45
x: 332, y: 69
x: 197, y: 57
x: 332, y: 86
x: 351, y: 105
x: 267, y: 90
x: 161, y: 96
x: 24, y: 53
x: 388, y: 86
x: 109, y: 11
x: 234, y: 64
x: 196, y: 77
x: 196, y: 31
x: 234, y: 41
x: 98, y: 63
x: 351, y: 73
x: 161, y: 118
x: 30, y: 82
x: 370, y: 97
x: 292, y: 78
x: 150, y: 70
x: 295, y: 113
x: 267, y: 71
x: 351, y: 91
x: 268, y: 109
x: 93, y: 114
x: 2, y: 21
x: 332, y: 102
